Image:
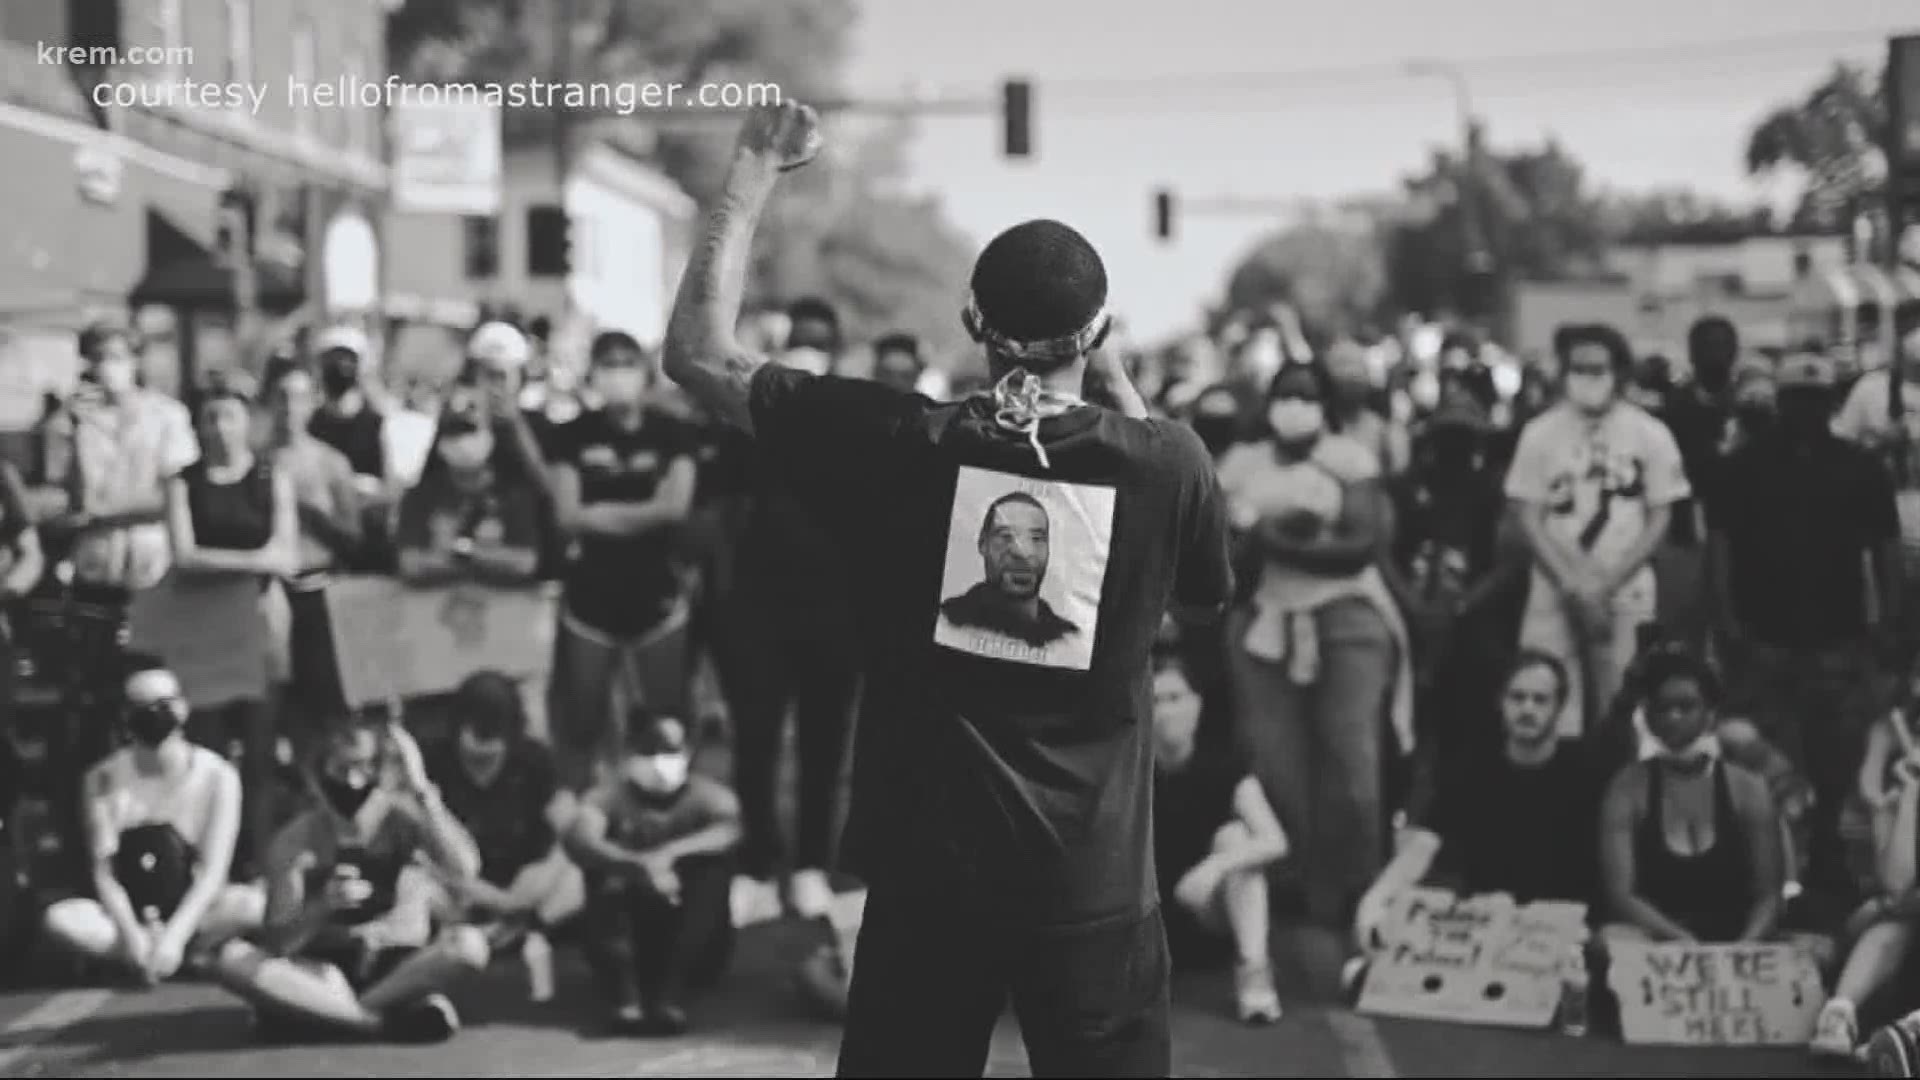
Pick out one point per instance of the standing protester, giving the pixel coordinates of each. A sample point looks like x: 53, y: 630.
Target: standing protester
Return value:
x: 1697, y: 414
x: 1875, y: 418
x: 348, y: 421
x: 623, y: 487
x: 1594, y: 480
x: 897, y: 362
x: 110, y: 454
x: 1021, y: 548
x: 787, y: 642
x: 1805, y: 530
x: 163, y: 820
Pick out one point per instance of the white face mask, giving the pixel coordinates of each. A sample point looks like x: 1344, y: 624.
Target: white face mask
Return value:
x: 810, y: 360
x: 621, y: 385
x: 1589, y: 391
x: 467, y: 453
x: 661, y: 774
x: 1296, y: 421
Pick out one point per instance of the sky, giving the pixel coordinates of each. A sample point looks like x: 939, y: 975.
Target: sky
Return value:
x: 1133, y: 95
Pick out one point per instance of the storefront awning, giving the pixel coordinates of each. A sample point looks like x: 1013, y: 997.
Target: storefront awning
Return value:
x: 184, y: 273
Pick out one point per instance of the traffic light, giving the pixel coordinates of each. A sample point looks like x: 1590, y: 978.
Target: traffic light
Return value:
x: 549, y: 242
x: 1016, y: 105
x: 1163, y: 214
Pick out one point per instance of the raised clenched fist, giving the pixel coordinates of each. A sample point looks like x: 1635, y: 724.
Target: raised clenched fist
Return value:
x: 786, y: 134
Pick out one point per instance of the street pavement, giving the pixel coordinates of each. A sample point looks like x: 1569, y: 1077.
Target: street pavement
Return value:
x: 755, y: 1025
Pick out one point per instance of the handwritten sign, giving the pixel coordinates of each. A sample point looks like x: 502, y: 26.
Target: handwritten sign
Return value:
x: 1473, y: 960
x: 394, y: 640
x: 1716, y: 995
x: 210, y: 629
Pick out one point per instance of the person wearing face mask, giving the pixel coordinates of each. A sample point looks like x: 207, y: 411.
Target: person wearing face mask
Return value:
x: 1805, y: 528
x: 501, y: 786
x: 474, y: 516
x: 347, y: 419
x: 657, y: 843
x: 1215, y: 835
x: 897, y: 362
x: 107, y: 458
x: 162, y: 821
x: 1317, y: 654
x: 346, y: 950
x: 1689, y: 842
x: 1594, y: 481
x: 624, y: 488
x: 1516, y: 814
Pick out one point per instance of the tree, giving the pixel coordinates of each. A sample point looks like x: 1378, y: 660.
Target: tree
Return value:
x: 1333, y: 276
x: 835, y: 229
x: 1497, y: 217
x: 1683, y: 217
x: 1833, y: 138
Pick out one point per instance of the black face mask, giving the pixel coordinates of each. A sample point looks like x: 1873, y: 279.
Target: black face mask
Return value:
x: 153, y: 723
x: 345, y: 796
x: 337, y: 379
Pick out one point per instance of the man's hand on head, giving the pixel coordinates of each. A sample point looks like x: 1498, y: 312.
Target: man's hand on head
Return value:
x: 785, y: 134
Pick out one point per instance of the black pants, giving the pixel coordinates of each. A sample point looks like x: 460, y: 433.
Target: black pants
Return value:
x: 928, y: 989
x: 765, y: 669
x: 243, y: 733
x: 643, y: 949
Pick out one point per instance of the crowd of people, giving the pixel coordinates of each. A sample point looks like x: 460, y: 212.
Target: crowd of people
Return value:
x: 1606, y: 633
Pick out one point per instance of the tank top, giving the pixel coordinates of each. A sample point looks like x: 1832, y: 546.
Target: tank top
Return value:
x: 232, y: 517
x: 150, y: 827
x: 1708, y: 893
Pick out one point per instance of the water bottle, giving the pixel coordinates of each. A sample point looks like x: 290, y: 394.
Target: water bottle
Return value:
x: 1573, y: 993
x: 537, y: 954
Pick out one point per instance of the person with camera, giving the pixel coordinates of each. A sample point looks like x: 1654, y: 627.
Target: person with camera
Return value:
x: 347, y: 949
x: 162, y: 821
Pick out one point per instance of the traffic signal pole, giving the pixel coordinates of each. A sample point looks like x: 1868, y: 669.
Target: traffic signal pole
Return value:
x: 1014, y: 105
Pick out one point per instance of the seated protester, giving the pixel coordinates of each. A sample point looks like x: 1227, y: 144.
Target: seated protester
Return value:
x: 476, y: 514
x: 1214, y: 837
x: 42, y: 848
x: 1882, y: 931
x: 347, y: 950
x: 1520, y: 820
x: 657, y: 843
x: 1689, y: 843
x: 501, y: 786
x: 162, y: 819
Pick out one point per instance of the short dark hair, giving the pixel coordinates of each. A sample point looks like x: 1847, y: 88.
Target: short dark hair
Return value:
x: 280, y: 369
x: 1038, y: 281
x: 643, y: 724
x: 1322, y: 381
x: 1619, y: 352
x: 607, y: 341
x: 490, y: 702
x: 897, y: 342
x: 95, y: 335
x: 814, y: 309
x: 1546, y: 661
x: 1672, y: 661
x: 1712, y: 337
x: 1020, y: 497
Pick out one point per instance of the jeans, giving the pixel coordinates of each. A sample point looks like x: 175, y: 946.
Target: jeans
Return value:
x: 1317, y: 749
x: 929, y: 984
x: 643, y: 949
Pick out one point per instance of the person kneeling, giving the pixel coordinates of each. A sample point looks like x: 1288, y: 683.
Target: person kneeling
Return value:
x: 346, y: 950
x: 657, y: 845
x: 162, y: 818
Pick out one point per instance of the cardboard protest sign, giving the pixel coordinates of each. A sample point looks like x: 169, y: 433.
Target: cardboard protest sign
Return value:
x: 1716, y: 995
x: 397, y: 641
x: 1472, y: 960
x: 211, y: 631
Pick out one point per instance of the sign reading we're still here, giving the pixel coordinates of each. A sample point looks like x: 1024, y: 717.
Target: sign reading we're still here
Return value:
x: 1763, y: 994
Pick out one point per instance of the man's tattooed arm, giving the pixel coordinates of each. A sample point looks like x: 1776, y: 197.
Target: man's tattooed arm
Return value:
x: 702, y: 354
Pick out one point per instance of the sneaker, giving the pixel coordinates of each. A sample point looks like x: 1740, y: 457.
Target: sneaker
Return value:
x: 1253, y: 992
x: 1894, y: 1050
x: 810, y: 894
x: 432, y: 1019
x: 1837, y: 1031
x: 665, y: 1019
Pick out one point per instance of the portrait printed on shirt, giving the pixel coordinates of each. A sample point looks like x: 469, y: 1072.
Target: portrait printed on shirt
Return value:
x: 1026, y: 561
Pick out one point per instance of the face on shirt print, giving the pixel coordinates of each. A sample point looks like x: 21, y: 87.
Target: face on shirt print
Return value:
x: 1026, y: 562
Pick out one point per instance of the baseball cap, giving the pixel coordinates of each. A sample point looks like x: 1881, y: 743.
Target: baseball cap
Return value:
x: 499, y: 346
x: 348, y: 338
x: 1805, y: 371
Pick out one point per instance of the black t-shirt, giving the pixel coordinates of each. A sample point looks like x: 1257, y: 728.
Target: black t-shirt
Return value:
x: 231, y: 517
x: 1532, y: 832
x: 1190, y: 804
x: 1797, y: 525
x: 506, y: 818
x: 1698, y: 426
x: 360, y: 437
x: 1004, y: 759
x: 623, y: 586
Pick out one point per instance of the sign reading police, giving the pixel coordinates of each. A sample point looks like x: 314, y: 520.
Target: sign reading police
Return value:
x: 1473, y: 959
